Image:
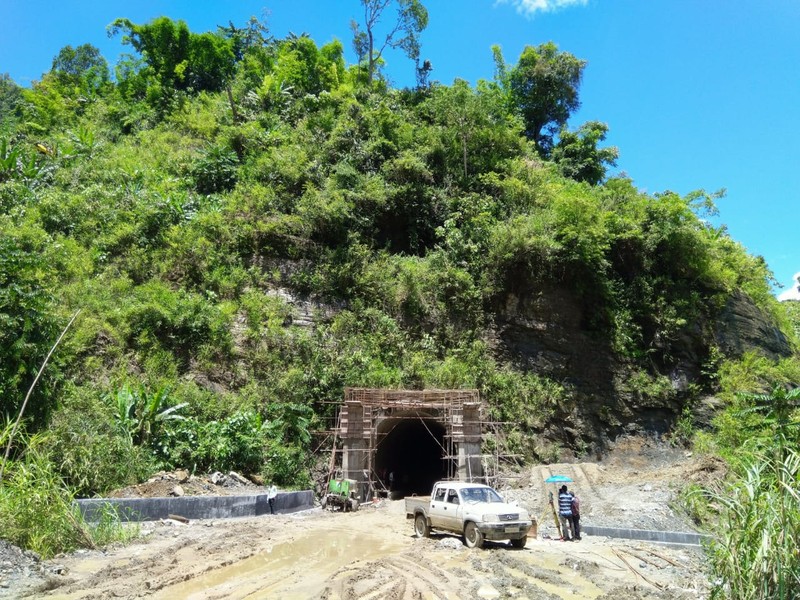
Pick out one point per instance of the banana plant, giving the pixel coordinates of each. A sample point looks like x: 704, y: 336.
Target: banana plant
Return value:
x: 126, y: 412
x: 139, y: 413
x: 31, y: 169
x: 83, y: 141
x: 155, y: 410
x: 8, y: 160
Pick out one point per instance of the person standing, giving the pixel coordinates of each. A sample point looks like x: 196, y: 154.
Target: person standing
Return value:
x: 271, y: 493
x: 565, y: 513
x: 576, y: 516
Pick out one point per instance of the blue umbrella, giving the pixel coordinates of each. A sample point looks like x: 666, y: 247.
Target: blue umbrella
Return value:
x: 558, y: 479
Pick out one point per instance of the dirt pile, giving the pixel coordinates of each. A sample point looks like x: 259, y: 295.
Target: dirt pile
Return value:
x: 181, y: 483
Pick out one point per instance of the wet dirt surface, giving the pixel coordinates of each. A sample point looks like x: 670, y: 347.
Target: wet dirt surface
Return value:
x: 373, y: 554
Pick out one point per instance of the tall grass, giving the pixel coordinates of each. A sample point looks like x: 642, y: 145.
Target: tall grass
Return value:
x: 37, y: 510
x: 755, y: 554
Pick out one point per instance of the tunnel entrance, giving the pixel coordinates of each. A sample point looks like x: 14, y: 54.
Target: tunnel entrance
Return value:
x: 399, y: 442
x: 410, y: 456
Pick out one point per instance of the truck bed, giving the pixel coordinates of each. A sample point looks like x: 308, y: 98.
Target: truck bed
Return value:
x: 415, y: 502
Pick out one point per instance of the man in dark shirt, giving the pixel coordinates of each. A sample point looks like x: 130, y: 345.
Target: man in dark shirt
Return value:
x: 576, y: 517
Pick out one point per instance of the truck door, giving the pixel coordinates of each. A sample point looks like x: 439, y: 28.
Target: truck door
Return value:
x: 453, y: 511
x: 439, y: 509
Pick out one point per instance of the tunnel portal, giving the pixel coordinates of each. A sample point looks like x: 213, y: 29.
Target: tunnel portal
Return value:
x: 399, y: 442
x: 411, y: 455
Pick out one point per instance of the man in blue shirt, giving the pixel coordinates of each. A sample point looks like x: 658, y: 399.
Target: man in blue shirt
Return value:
x: 565, y: 514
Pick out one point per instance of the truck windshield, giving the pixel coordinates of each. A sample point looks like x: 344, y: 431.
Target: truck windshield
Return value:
x: 480, y: 495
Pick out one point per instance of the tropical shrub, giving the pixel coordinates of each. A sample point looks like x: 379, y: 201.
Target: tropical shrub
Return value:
x: 91, y: 452
x: 28, y: 318
x: 233, y: 443
x: 215, y: 171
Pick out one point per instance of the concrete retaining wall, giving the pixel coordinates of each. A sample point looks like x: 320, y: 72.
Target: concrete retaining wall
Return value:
x: 667, y: 537
x: 197, y: 507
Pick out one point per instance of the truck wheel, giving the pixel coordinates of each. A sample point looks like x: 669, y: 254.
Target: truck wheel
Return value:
x: 421, y: 528
x: 353, y: 504
x: 520, y: 543
x: 473, y: 538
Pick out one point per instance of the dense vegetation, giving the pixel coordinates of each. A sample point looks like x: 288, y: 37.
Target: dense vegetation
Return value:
x: 188, y: 205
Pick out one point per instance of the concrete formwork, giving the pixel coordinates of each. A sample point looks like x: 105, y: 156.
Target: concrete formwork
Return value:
x: 384, y: 432
x: 196, y: 507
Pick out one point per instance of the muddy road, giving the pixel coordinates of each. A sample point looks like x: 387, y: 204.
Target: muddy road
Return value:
x: 363, y: 555
x: 372, y: 554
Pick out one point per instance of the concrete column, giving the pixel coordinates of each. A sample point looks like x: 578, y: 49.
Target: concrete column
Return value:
x: 354, y: 459
x: 469, y: 462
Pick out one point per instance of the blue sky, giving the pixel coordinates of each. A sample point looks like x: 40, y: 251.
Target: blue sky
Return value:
x: 697, y: 93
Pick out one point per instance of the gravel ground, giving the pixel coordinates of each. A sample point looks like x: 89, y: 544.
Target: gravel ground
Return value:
x: 373, y: 554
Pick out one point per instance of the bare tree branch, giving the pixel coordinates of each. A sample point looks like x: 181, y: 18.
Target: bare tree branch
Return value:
x: 28, y: 395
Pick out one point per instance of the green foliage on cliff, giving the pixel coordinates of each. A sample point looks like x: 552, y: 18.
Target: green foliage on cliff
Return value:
x: 228, y: 184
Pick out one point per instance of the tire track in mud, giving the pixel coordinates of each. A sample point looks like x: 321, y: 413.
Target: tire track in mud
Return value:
x: 302, y: 566
x: 397, y: 577
x: 176, y: 564
x: 429, y: 580
x: 503, y: 576
x: 434, y: 572
x: 368, y: 581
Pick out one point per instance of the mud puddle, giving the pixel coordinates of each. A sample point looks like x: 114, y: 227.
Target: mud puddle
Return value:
x: 293, y: 569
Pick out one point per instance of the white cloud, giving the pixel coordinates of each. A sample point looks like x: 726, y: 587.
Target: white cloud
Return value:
x: 531, y: 7
x: 794, y: 292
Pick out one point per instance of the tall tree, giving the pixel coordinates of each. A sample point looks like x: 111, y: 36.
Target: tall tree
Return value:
x: 543, y: 88
x: 83, y: 66
x: 178, y: 58
x: 462, y: 112
x: 578, y: 156
x: 412, y: 19
x: 10, y: 97
x: 162, y: 43
x: 305, y: 69
x: 254, y: 34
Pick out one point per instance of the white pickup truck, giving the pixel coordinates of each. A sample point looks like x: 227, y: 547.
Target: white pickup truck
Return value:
x: 474, y: 510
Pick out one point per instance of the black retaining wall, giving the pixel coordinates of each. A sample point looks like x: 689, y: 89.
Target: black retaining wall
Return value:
x: 664, y: 537
x: 197, y: 507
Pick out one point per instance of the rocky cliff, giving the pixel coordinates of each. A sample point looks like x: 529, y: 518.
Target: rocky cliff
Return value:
x: 543, y: 330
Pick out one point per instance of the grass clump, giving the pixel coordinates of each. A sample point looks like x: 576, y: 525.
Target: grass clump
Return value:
x: 754, y: 555
x: 755, y: 514
x: 37, y: 511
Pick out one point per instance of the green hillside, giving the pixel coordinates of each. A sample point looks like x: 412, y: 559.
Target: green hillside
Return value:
x: 246, y: 225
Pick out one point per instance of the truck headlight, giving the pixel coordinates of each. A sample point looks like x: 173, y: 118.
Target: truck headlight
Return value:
x: 490, y: 518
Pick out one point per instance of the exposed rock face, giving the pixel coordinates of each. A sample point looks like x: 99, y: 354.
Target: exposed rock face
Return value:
x: 542, y: 330
x: 742, y: 326
x: 305, y: 312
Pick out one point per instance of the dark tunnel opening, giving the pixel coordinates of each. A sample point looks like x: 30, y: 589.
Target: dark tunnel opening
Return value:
x: 410, y: 457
